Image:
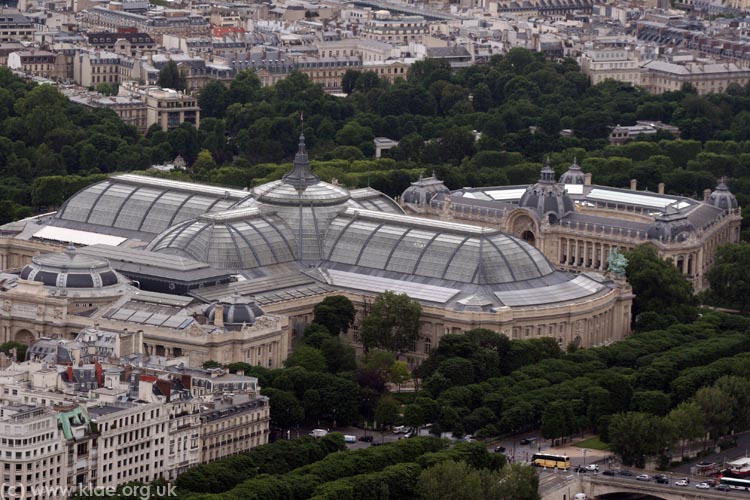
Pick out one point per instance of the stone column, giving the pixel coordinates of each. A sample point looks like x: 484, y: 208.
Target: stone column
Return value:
x: 577, y: 253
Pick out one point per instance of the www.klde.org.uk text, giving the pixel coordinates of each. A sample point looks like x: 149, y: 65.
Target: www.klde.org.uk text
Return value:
x: 19, y: 491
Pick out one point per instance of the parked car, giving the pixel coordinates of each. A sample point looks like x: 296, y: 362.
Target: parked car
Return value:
x: 703, y: 486
x: 348, y: 438
x: 723, y: 487
x: 365, y: 439
x: 681, y: 482
x: 593, y: 467
x: 626, y: 473
x: 661, y: 479
x: 643, y: 477
x: 399, y: 429
x: 581, y: 469
x: 318, y: 433
x: 528, y: 441
x: 499, y: 449
x: 608, y: 472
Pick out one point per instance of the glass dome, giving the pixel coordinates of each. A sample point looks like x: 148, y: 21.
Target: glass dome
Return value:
x: 432, y: 249
x: 235, y: 239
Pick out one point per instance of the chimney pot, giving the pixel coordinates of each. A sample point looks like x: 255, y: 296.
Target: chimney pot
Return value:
x: 633, y: 184
x: 661, y: 188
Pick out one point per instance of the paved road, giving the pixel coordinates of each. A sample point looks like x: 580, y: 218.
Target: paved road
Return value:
x: 728, y: 455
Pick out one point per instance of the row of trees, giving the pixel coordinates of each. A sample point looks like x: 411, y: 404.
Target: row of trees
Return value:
x: 404, y: 470
x: 712, y: 413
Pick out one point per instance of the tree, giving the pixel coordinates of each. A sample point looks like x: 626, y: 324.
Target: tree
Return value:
x: 204, y: 163
x: 308, y: 358
x: 386, y: 411
x: 716, y: 407
x: 286, y: 411
x: 635, y: 436
x: 393, y: 323
x: 336, y: 313
x: 20, y: 349
x: 213, y: 100
x: 450, y: 480
x: 211, y: 364
x: 171, y: 77
x: 107, y: 88
x: 349, y: 80
x: 339, y: 356
x: 730, y: 275
x: 558, y: 420
x: 687, y: 422
x: 658, y: 285
x: 398, y: 373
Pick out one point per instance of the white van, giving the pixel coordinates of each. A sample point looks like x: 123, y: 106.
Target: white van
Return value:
x: 350, y: 439
x: 318, y: 433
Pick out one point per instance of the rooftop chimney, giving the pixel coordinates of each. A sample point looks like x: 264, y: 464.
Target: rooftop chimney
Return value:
x: 587, y: 179
x: 661, y: 188
x: 633, y: 184
x: 706, y: 194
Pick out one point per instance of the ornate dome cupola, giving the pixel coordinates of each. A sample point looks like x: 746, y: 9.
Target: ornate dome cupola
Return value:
x: 547, y: 198
x: 70, y: 270
x: 723, y: 198
x: 672, y: 225
x: 301, y: 178
x: 574, y: 175
x: 422, y: 191
x: 234, y: 312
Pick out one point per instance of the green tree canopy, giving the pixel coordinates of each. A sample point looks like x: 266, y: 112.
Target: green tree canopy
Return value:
x: 336, y: 313
x: 171, y: 77
x: 658, y: 285
x: 730, y: 275
x: 393, y: 323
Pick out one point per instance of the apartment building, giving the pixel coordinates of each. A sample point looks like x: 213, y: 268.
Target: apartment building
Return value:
x: 708, y: 78
x: 40, y: 63
x: 130, y: 110
x: 135, y: 421
x: 169, y: 108
x: 124, y: 41
x: 395, y: 30
x: 14, y: 27
x: 611, y: 63
x: 328, y: 71
x: 32, y: 450
x: 92, y: 68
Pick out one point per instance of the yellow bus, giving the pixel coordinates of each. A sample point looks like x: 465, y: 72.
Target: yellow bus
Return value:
x: 551, y: 461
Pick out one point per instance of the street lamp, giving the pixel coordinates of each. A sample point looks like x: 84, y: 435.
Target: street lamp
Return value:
x: 584, y: 456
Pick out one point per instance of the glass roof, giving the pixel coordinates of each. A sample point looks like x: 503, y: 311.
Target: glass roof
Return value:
x: 144, y: 204
x: 238, y: 239
x: 376, y: 284
x: 447, y: 251
x: 630, y: 198
x: 579, y: 287
x: 321, y: 193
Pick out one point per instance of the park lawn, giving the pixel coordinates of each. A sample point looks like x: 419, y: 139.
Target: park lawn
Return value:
x: 593, y: 443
